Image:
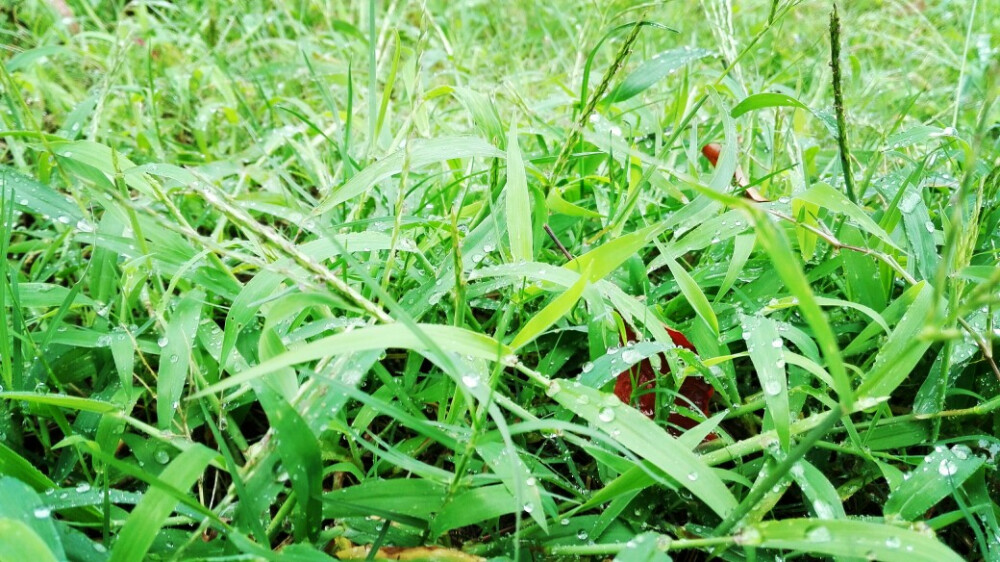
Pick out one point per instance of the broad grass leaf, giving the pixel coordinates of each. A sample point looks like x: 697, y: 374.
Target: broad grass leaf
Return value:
x: 32, y: 196
x: 380, y: 337
x: 825, y: 196
x: 645, y: 547
x: 742, y: 248
x: 23, y: 504
x: 13, y: 464
x: 20, y: 542
x: 904, y: 348
x: 546, y: 317
x: 609, y: 256
x: 715, y: 230
x: 175, y: 356
x: 515, y: 476
x: 643, y: 437
x: 789, y: 268
x: 474, y: 506
x: 607, y: 367
x: 420, y: 153
x: 63, y: 401
x: 48, y: 295
x: 765, y: 346
x: 651, y: 71
x: 101, y: 158
x: 824, y: 501
x: 938, y: 476
x: 148, y: 517
x: 412, y: 501
x: 765, y: 99
x: 299, y: 450
x: 863, y: 539
x: 694, y: 295
x: 26, y: 58
x: 519, y: 229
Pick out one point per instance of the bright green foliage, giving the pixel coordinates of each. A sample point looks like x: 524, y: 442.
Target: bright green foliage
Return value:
x: 301, y: 280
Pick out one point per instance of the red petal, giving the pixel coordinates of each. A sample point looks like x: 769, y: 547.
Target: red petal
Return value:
x: 694, y: 393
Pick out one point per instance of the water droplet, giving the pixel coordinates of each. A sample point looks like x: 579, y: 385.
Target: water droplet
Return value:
x: 588, y: 367
x: 772, y: 388
x: 582, y: 535
x: 83, y: 488
x: 471, y: 380
x: 564, y: 522
x: 947, y: 468
x: 631, y: 356
x: 777, y: 342
x: 818, y: 533
x: 893, y: 542
x: 607, y: 415
x: 42, y: 512
x: 531, y: 481
x: 583, y: 399
x: 163, y: 341
x: 528, y: 508
x: 161, y: 456
x: 692, y: 476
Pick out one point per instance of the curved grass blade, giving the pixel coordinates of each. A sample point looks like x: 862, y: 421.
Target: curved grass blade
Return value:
x: 519, y: 229
x: 765, y: 99
x: 32, y: 196
x: 765, y: 347
x: 176, y: 356
x: 63, y: 401
x: 22, y: 504
x: 651, y: 71
x: 421, y: 153
x: 146, y: 520
x: 904, y: 348
x: 474, y: 506
x: 380, y: 337
x: 299, y: 451
x: 937, y: 477
x: 863, y: 539
x: 21, y: 542
x: 694, y: 295
x: 628, y: 426
x: 559, y: 307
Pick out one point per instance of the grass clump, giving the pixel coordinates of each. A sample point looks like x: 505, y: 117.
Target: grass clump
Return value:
x: 319, y: 280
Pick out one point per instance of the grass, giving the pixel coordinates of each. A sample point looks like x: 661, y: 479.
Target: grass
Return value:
x: 311, y: 279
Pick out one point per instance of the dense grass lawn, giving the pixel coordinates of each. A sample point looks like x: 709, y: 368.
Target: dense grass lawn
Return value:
x: 471, y: 279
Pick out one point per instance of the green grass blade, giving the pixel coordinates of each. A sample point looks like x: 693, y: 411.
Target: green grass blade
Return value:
x: 628, y: 426
x: 18, y: 541
x: 421, y: 153
x: 546, y: 317
x: 176, y: 356
x: 146, y: 520
x: 458, y: 340
x: 766, y: 347
x: 904, y: 348
x: 694, y: 295
x: 519, y: 229
x: 938, y: 476
x: 766, y: 99
x: 862, y: 539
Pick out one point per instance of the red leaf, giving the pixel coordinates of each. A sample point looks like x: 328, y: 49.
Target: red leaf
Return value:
x: 694, y: 393
x: 712, y: 151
